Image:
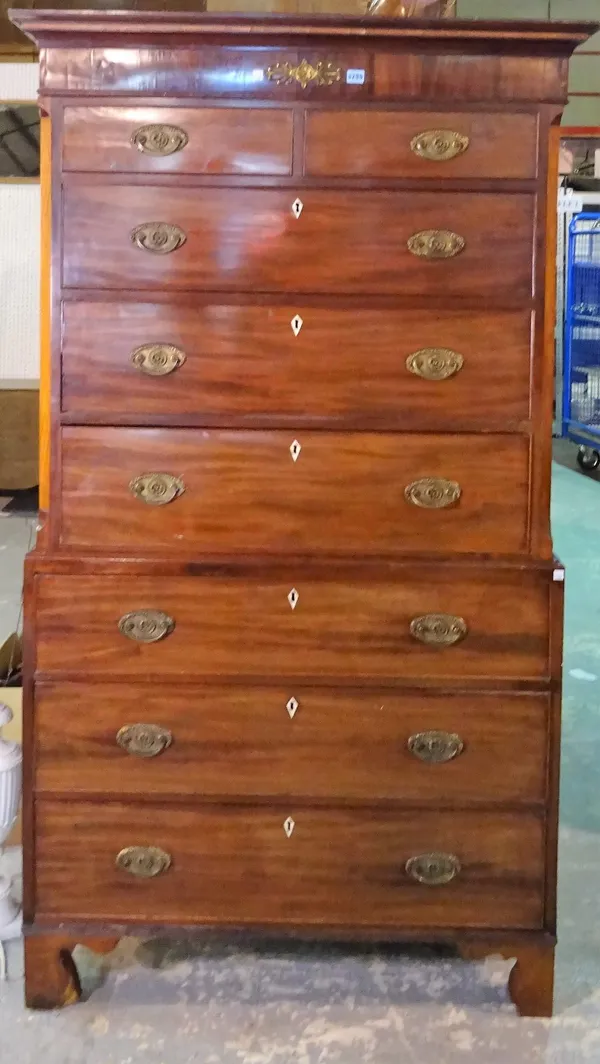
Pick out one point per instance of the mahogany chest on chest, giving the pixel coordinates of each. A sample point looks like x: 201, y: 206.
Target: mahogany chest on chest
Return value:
x: 293, y: 622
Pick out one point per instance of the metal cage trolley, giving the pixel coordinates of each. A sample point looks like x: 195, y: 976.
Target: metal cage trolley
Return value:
x: 581, y: 396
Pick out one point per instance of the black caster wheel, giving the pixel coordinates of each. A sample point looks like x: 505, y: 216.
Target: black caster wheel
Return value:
x: 588, y: 459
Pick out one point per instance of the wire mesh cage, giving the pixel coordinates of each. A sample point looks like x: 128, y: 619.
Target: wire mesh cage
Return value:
x: 581, y: 400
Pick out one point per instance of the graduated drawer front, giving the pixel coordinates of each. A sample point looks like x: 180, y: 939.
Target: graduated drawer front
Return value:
x: 373, y: 143
x: 345, y: 626
x: 367, y: 745
x: 332, y: 493
x: 297, y: 363
x: 236, y: 864
x: 178, y: 140
x: 250, y: 239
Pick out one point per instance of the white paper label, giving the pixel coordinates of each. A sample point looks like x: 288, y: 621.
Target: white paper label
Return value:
x: 558, y: 576
x: 355, y: 77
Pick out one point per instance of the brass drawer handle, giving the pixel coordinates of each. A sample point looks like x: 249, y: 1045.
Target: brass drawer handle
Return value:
x: 438, y: 629
x: 156, y: 489
x: 144, y: 740
x: 439, y: 145
x: 433, y: 869
x: 433, y: 493
x: 435, y: 747
x: 435, y: 363
x: 159, y: 139
x: 144, y: 862
x: 146, y: 626
x: 157, y: 360
x: 436, y: 244
x: 160, y: 238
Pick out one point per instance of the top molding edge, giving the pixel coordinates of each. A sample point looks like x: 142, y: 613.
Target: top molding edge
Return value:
x: 52, y: 28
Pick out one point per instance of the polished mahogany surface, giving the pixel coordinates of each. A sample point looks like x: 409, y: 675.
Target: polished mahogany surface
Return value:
x: 293, y: 624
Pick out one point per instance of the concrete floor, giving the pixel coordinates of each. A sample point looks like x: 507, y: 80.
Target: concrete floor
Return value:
x: 222, y: 1005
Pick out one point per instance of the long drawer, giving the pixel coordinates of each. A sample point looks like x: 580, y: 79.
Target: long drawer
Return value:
x: 273, y: 492
x: 297, y: 363
x: 428, y: 621
x: 364, y: 745
x: 308, y: 240
x: 288, y: 864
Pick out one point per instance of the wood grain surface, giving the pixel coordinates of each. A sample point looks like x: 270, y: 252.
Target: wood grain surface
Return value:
x: 338, y: 745
x: 220, y: 141
x: 345, y: 367
x: 233, y: 864
x: 342, y: 627
x: 344, y: 494
x: 342, y: 241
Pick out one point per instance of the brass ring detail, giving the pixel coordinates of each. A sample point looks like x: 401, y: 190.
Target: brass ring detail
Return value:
x: 439, y: 145
x: 159, y: 238
x: 143, y: 862
x: 433, y: 869
x: 436, y: 244
x: 438, y: 629
x: 435, y: 363
x: 144, y: 740
x: 146, y: 626
x: 433, y: 493
x: 156, y: 489
x: 159, y: 139
x: 157, y: 360
x: 435, y: 747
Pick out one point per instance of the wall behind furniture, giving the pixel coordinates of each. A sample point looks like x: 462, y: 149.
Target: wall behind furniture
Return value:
x: 584, y: 80
x: 19, y: 251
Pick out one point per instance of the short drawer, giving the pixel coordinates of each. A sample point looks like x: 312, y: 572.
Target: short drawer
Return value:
x: 428, y: 621
x: 275, y: 492
x: 327, y: 743
x: 299, y: 364
x: 302, y: 240
x: 288, y: 865
x: 178, y: 140
x: 420, y: 144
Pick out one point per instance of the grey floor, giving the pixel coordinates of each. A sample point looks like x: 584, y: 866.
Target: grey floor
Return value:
x: 223, y: 1005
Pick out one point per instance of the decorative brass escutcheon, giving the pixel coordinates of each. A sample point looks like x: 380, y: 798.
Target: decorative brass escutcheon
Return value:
x: 436, y: 244
x: 146, y: 626
x: 159, y: 139
x: 433, y: 869
x: 435, y: 363
x: 160, y: 238
x: 435, y: 747
x: 157, y: 360
x: 304, y: 73
x: 432, y: 493
x: 438, y: 629
x: 156, y: 489
x: 439, y: 145
x: 144, y: 740
x: 145, y: 862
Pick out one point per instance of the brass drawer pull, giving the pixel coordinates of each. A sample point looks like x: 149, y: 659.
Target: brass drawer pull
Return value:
x: 435, y: 747
x: 159, y: 139
x: 145, y: 862
x: 160, y: 238
x: 436, y: 244
x: 439, y: 145
x: 438, y: 629
x: 433, y: 869
x: 433, y: 493
x: 146, y: 626
x: 156, y: 489
x: 144, y: 740
x: 435, y: 363
x: 157, y: 360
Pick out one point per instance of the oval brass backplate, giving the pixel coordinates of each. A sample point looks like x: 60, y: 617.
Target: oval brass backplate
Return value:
x: 159, y: 139
x: 435, y: 747
x: 436, y: 244
x: 435, y: 363
x: 159, y: 238
x: 432, y: 493
x: 146, y: 626
x: 433, y: 869
x: 144, y: 740
x: 438, y: 629
x: 157, y: 360
x: 439, y: 145
x: 144, y: 862
x: 156, y: 489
